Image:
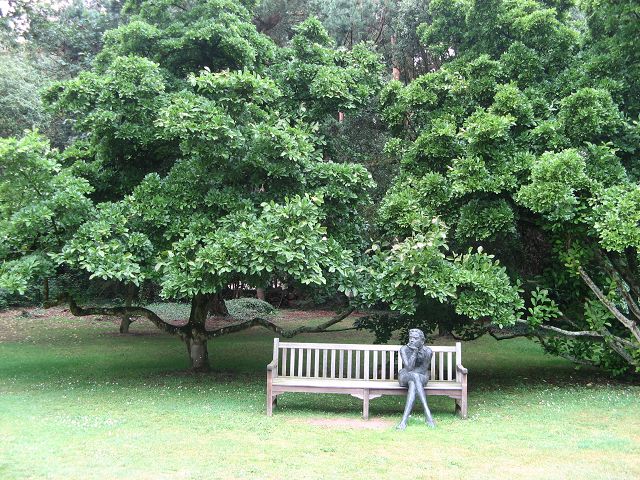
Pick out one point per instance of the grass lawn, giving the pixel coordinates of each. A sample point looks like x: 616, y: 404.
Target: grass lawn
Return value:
x: 79, y: 401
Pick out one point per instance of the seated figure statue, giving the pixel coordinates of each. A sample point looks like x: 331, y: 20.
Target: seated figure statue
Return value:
x: 416, y: 361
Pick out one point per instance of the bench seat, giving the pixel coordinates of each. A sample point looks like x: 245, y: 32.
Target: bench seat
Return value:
x: 363, y: 371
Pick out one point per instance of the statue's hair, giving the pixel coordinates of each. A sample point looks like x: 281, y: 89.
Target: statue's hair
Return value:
x: 418, y: 331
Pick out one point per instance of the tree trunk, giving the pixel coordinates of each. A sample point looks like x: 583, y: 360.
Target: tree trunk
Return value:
x: 126, y: 320
x: 395, y: 71
x: 444, y: 329
x: 216, y: 306
x: 260, y: 295
x: 196, y: 342
x: 46, y: 289
x: 198, y: 354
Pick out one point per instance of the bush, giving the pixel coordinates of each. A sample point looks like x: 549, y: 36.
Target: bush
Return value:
x: 247, y: 308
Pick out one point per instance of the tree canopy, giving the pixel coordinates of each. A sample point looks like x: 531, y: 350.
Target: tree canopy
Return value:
x: 516, y: 150
x: 203, y: 152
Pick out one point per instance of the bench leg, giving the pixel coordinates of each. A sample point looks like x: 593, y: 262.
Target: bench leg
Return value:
x: 269, y: 396
x: 365, y: 404
x: 461, y: 407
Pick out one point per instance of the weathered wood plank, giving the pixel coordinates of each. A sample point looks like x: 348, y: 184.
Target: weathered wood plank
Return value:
x: 384, y: 365
x: 357, y: 364
x: 307, y: 371
x: 349, y: 363
x: 317, y: 363
x: 374, y: 370
x: 392, y: 369
x: 433, y: 367
x: 449, y: 366
x: 458, y: 358
x: 440, y: 366
x: 324, y: 363
x: 284, y: 361
x: 366, y: 365
x: 341, y: 370
x: 276, y: 350
x: 333, y: 363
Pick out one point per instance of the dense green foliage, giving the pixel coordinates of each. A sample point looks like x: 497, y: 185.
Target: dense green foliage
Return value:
x: 43, y: 204
x: 247, y: 308
x: 513, y: 147
x: 206, y: 153
x: 201, y: 139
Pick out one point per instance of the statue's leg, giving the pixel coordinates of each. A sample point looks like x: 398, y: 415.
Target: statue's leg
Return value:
x: 411, y: 398
x: 423, y: 398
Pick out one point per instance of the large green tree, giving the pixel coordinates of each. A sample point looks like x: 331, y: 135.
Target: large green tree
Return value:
x: 200, y: 137
x: 514, y: 148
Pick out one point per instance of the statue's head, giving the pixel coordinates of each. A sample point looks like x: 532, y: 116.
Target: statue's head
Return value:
x: 416, y: 338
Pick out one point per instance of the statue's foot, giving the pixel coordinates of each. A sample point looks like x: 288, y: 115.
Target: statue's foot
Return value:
x: 430, y: 423
x: 401, y: 426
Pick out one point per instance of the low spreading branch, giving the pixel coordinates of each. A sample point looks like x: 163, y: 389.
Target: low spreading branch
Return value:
x: 184, y: 330
x: 121, y: 311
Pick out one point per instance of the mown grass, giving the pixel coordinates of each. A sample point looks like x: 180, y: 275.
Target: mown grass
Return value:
x: 79, y: 401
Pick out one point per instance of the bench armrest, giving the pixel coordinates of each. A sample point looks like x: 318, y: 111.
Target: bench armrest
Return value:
x: 461, y: 369
x: 272, y: 366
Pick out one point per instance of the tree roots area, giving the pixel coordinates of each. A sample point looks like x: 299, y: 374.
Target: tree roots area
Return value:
x: 80, y: 400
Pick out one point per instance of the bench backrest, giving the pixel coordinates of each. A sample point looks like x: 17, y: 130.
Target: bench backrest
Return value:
x: 356, y: 361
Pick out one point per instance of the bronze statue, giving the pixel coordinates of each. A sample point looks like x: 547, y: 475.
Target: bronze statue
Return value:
x: 416, y: 361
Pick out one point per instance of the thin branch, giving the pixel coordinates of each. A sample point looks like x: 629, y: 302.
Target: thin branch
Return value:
x: 626, y: 271
x: 566, y: 333
x: 630, y: 324
x: 621, y: 284
x: 322, y: 327
x: 263, y: 322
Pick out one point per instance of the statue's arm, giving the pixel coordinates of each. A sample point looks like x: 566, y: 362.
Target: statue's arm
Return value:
x: 409, y: 356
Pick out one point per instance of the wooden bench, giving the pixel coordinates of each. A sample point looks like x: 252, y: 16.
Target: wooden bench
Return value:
x: 363, y: 371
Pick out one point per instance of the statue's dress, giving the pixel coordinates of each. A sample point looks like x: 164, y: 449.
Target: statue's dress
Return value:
x: 422, y: 364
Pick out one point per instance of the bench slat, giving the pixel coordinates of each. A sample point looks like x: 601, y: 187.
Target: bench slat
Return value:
x: 440, y: 366
x: 343, y: 383
x: 366, y: 364
x: 449, y: 367
x: 317, y: 363
x: 375, y: 365
x: 308, y: 369
x: 392, y: 370
x: 333, y: 363
x: 384, y: 365
x: 433, y: 367
x: 284, y: 362
x: 357, y: 363
x: 360, y: 346
x: 324, y: 363
x: 349, y: 364
x: 341, y: 370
